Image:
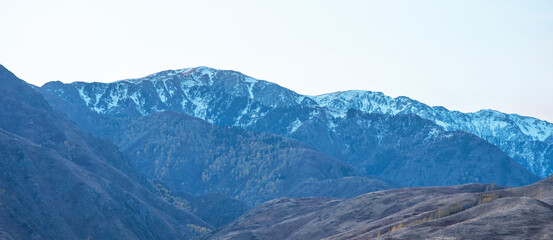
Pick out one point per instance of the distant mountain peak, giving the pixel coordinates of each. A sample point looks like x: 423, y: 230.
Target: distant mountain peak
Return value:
x: 193, y: 76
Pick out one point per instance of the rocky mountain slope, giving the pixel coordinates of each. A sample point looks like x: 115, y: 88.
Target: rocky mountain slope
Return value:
x: 404, y: 148
x: 526, y: 139
x: 57, y: 182
x: 230, y: 98
x: 471, y: 211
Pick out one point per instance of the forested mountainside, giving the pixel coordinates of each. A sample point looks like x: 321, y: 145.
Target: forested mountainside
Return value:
x: 191, y: 155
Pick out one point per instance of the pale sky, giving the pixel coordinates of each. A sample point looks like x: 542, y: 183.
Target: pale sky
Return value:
x: 464, y: 55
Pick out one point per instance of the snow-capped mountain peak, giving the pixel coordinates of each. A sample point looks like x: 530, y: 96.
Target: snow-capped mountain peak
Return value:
x: 526, y: 139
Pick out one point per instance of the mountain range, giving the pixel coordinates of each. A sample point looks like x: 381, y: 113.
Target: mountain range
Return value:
x: 229, y: 98
x: 179, y: 153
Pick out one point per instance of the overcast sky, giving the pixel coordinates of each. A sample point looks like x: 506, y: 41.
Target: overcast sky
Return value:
x: 464, y: 55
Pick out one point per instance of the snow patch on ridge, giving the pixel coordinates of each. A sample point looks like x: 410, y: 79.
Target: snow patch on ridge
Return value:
x: 200, y: 109
x: 441, y: 124
x: 250, y: 89
x: 161, y: 94
x: 84, y: 96
x: 294, y: 126
x: 114, y: 100
x: 250, y: 80
x: 537, y: 129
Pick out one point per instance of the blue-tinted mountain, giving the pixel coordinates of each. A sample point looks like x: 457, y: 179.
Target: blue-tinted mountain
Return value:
x: 233, y: 99
x: 527, y: 140
x: 58, y: 182
x: 222, y: 97
x: 402, y: 147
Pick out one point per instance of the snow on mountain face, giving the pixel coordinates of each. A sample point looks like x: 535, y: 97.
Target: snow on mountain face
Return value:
x: 525, y: 139
x: 233, y: 99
